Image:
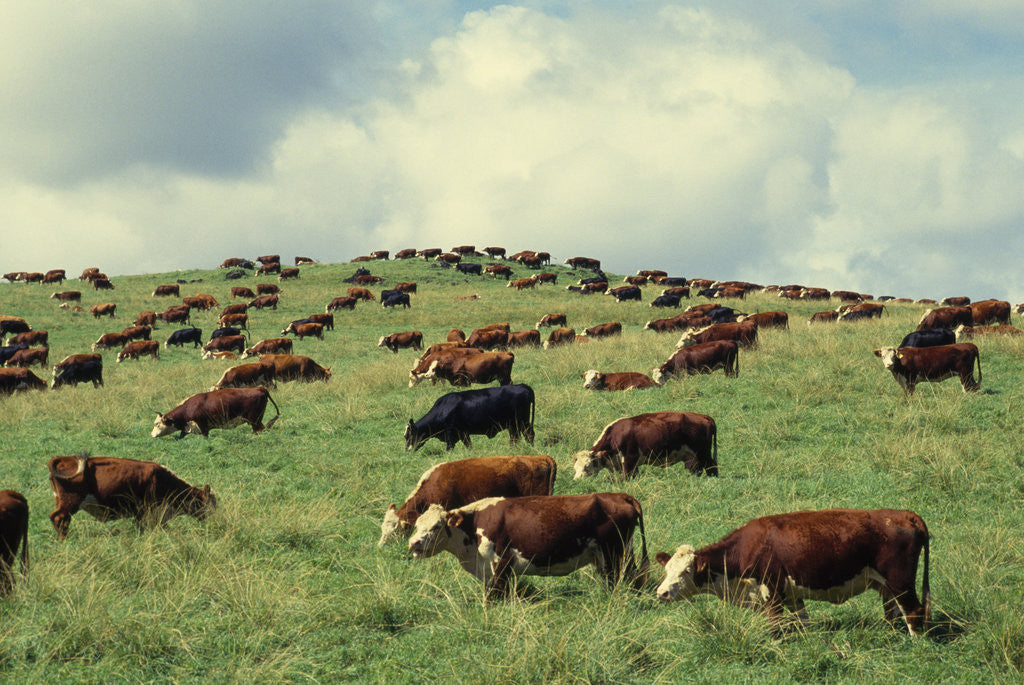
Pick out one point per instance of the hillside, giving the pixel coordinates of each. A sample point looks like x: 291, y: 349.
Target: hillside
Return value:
x: 285, y: 581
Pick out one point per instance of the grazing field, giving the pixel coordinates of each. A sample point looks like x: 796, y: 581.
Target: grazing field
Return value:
x: 285, y: 581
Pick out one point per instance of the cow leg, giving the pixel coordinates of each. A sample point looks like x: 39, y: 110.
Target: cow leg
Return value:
x: 466, y: 440
x: 61, y: 518
x: 967, y: 380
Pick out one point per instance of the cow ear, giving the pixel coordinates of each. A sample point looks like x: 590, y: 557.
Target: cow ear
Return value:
x: 391, y: 508
x: 700, y: 566
x: 454, y: 520
x: 662, y: 558
x: 878, y: 353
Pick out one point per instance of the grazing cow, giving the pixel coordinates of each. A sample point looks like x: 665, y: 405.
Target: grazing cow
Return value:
x: 224, y: 408
x: 635, y: 280
x: 107, y: 309
x: 185, y: 335
x: 913, y: 365
x: 9, y: 351
x: 591, y: 288
x: 495, y: 252
x: 264, y: 301
x: 236, y: 320
x: 380, y: 254
x: 430, y: 252
x: 846, y: 296
x: 464, y: 250
x: 553, y: 319
x: 327, y: 320
x: 863, y: 310
x: 407, y: 253
x: 110, y: 340
x: 13, y: 324
x: 102, y: 284
x: 721, y: 314
x: 662, y: 438
x: 27, y: 357
x: 267, y: 289
x: 533, y: 261
x: 201, y: 301
x: 269, y: 259
x: 138, y: 332
x: 488, y: 338
x: 305, y: 330
x: 929, y: 337
x: 54, y: 276
x: 730, y: 291
x: 823, y: 317
x: 290, y: 272
x: 237, y: 308
x: 629, y: 380
x: 341, y: 303
x: 360, y: 271
x: 437, y: 352
x: 771, y: 319
x: 226, y: 342
x: 701, y: 358
x: 19, y: 379
x: 367, y: 279
x: 487, y: 411
x: 652, y: 273
x: 744, y: 333
x: 960, y: 301
x: 145, y: 319
x: 405, y: 340
x: 361, y: 294
x: 469, y: 268
x: 108, y: 488
x: 559, y: 336
x: 75, y: 372
x: 448, y: 259
x: 966, y: 332
x: 604, y: 330
x: 497, y: 270
x: 406, y: 287
x: 990, y: 311
x: 499, y: 538
x: 624, y: 293
x: 30, y: 338
x: 674, y: 323
x: 227, y: 330
x: 815, y: 294
x: 296, y: 367
x: 396, y: 299
x: 14, y: 534
x: 522, y: 283
x: 946, y: 317
x: 269, y: 346
x: 547, y: 277
x: 139, y: 348
x: 248, y: 376
x: 177, y: 314
x: 67, y: 296
x: 456, y: 335
x: 674, y: 286
x: 242, y: 291
x: 526, y: 338
x: 233, y: 262
x: 831, y: 555
x: 167, y: 290
x: 583, y: 263
x: 269, y: 268
x: 665, y: 301
x: 461, y: 371
x: 76, y: 359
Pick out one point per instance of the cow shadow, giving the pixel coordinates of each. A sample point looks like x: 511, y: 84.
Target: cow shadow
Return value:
x: 943, y: 628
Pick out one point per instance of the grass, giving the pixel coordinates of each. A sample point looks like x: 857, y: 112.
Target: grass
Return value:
x: 285, y: 582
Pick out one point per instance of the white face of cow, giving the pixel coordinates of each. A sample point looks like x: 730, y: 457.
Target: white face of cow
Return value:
x: 687, y: 339
x: 657, y: 376
x: 593, y: 380
x: 889, y: 356
x: 430, y: 527
x: 391, y: 527
x: 161, y: 427
x: 678, y: 583
x: 585, y: 464
x: 380, y: 343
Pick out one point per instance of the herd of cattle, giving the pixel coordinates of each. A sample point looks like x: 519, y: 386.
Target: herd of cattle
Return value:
x: 499, y: 515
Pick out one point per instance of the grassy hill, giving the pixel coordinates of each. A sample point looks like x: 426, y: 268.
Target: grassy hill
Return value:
x: 285, y: 581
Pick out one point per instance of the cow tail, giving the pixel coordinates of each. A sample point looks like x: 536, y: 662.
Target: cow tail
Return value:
x: 276, y: 416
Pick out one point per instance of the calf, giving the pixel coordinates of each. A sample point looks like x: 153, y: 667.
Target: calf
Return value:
x: 108, y: 488
x: 458, y: 483
x: 499, y: 538
x: 701, y: 358
x: 139, y: 348
x: 913, y: 365
x: 488, y: 411
x: 224, y: 408
x: 831, y: 555
x: 405, y: 340
x: 663, y: 438
x: 629, y: 380
x: 185, y: 335
x: 553, y: 319
x: 14, y: 534
x: 269, y: 346
x: 248, y: 376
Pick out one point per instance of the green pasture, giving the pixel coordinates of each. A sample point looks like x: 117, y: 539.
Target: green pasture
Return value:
x: 285, y: 581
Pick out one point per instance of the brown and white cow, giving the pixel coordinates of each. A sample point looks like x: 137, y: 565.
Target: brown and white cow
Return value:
x: 552, y: 319
x: 27, y: 357
x: 744, y: 333
x: 110, y: 340
x: 831, y: 555
x: 522, y: 283
x: 248, y: 376
x: 559, y: 336
x: 403, y: 340
x: 626, y: 380
x: 990, y: 311
x: 235, y: 343
x: 406, y: 253
x: 771, y: 319
x: 455, y: 484
x: 269, y: 259
x: 488, y: 338
x: 108, y: 488
x: 913, y: 365
x: 438, y: 352
x: 583, y: 263
x: 823, y: 317
x: 296, y: 367
x: 662, y: 438
x: 167, y: 290
x: 960, y: 301
x: 861, y: 310
x: 224, y: 408
x: 604, y: 330
x: 67, y: 296
x: 406, y: 287
x: 499, y: 538
x: 946, y: 317
x: 496, y: 270
x: 341, y: 303
x: 701, y: 358
x: 967, y: 332
x: 14, y: 534
x: 264, y: 301
x: 290, y: 272
x: 139, y: 348
x: 106, y: 309
x: 305, y: 330
x: 269, y: 346
x: 462, y: 371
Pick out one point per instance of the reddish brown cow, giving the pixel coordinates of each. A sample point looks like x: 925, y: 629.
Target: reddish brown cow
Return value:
x: 635, y: 280
x: 583, y: 263
x: 846, y: 296
x: 947, y: 317
x: 960, y: 301
x: 407, y: 253
x: 522, y: 283
x: 771, y: 319
x: 269, y: 259
x: 651, y: 273
x: 662, y: 438
x: 233, y: 321
x: 454, y: 484
x: 145, y: 319
x: 547, y: 278
x: 290, y: 272
x: 264, y: 301
x: 628, y: 380
x: 744, y: 333
x: 404, y: 340
x: 823, y: 317
x: 464, y: 250
x: 913, y: 365
x: 107, y: 309
x: 108, y: 488
x: 361, y: 294
x: 731, y: 292
x: 224, y: 408
x: 449, y: 258
x: 604, y: 330
x: 76, y: 359
x: 55, y: 276
x: 673, y: 323
x: 14, y: 534
x: 138, y: 332
x: 701, y: 358
x: 990, y: 311
x: 30, y: 338
x: 815, y: 294
x: 67, y: 296
x: 202, y: 301
x: 248, y: 376
x: 368, y: 279
x: 553, y: 319
x: 139, y: 348
x: 678, y: 291
x: 406, y: 287
x: 326, y: 319
x: 167, y: 290
x: 237, y: 308
x: 19, y: 379
x: 26, y: 358
x: 226, y: 342
x: 269, y: 346
x: 180, y: 313
x: 465, y: 370
x: 496, y: 270
x: 110, y: 340
x: 559, y: 336
x: 32, y: 277
x: 438, y: 355
x: 456, y: 335
x: 495, y: 252
x: 296, y: 367
x: 269, y: 268
x: 305, y: 330
x: 430, y: 252
x: 304, y: 261
x: 242, y: 291
x: 526, y: 338
x: 87, y: 273
x: 488, y: 338
x: 267, y: 289
x: 967, y: 332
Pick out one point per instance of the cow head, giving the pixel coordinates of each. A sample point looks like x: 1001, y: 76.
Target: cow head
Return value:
x: 431, y: 528
x: 392, y: 526
x: 161, y: 426
x: 199, y: 502
x: 679, y: 580
x: 413, y: 439
x: 593, y: 380
x: 890, y: 357
x: 661, y: 374
x: 587, y: 463
x: 689, y: 338
x: 383, y: 341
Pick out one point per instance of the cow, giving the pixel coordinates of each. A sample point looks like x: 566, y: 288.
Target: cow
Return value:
x: 27, y: 357
x: 236, y: 320
x: 469, y: 268
x: 499, y: 270
x: 913, y: 365
x: 662, y: 438
x: 264, y: 301
x: 720, y: 314
x: 361, y: 294
x: 296, y: 367
x: 269, y: 268
x: 464, y: 250
x: 559, y: 336
x: 233, y: 262
x: 404, y: 340
x: 591, y: 288
x: 547, y: 277
x: 9, y: 351
x: 604, y: 330
x: 461, y: 371
x: 139, y: 348
x: 138, y: 332
x: 108, y: 488
x: 267, y: 289
x: 94, y: 276
x: 652, y: 273
x: 176, y: 314
x: 430, y: 252
x: 524, y: 338
x: 110, y: 340
x: 14, y: 534
x: 815, y: 294
x: 107, y: 309
x: 305, y: 330
x: 744, y: 333
x: 226, y: 342
x: 959, y: 301
x: 367, y: 279
x: 327, y: 320
x: 629, y: 380
x: 965, y: 332
x: 781, y: 560
x: 929, y: 337
x: 185, y: 335
x: 145, y: 319
x: 583, y: 263
x: 448, y: 259
x: 488, y: 338
x: 248, y: 376
x: 290, y: 272
x: 73, y: 373
x: 360, y: 271
x: 167, y: 290
x: 495, y: 252
x: 407, y: 253
x: 242, y: 291
x: 635, y: 280
x: 847, y: 296
x: 19, y: 379
x: 13, y: 324
x: 269, y: 346
x: 624, y: 293
x: 701, y: 358
x: 673, y: 323
x: 102, y: 284
x: 863, y: 310
x: 406, y: 287
x: 224, y: 408
x: 499, y: 538
x: 674, y: 286
x: 76, y: 359
x: 341, y: 303
x: 522, y: 283
x: 486, y: 411
x: 823, y: 317
x: 54, y: 276
x: 553, y: 319
x: 770, y: 319
x: 990, y: 311
x: 396, y: 299
x: 237, y: 308
x: 30, y: 338
x: 946, y: 317
x: 67, y: 296
x: 227, y: 330
x: 269, y: 259
x: 665, y: 301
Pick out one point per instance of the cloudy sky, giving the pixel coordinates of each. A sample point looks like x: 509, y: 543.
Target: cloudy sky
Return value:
x: 875, y: 145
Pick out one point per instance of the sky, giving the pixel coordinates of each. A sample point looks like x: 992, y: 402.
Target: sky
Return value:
x: 869, y: 145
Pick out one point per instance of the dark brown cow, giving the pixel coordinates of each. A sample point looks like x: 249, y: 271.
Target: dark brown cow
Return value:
x: 290, y: 272
x: 583, y: 263
x: 264, y: 301
x: 677, y: 291
x: 488, y: 338
x: 960, y: 301
x: 226, y: 342
x: 203, y: 301
x: 304, y: 261
x: 967, y: 332
x: 559, y: 336
x: 404, y: 340
x: 102, y: 284
x: 55, y: 276
x: 525, y: 338
x: 305, y: 330
x: 744, y: 333
x: 497, y: 270
x: 106, y: 309
x: 464, y: 250
x: 225, y: 408
x: 67, y: 296
x: 233, y: 321
x: 499, y: 538
x: 831, y: 555
x: 296, y: 367
x: 108, y: 489
x: 407, y: 253
x: 662, y: 438
x: 406, y: 287
x: 990, y: 311
x: 547, y: 278
x: 145, y: 319
x: 327, y: 320
x: 369, y: 279
x: 437, y: 354
x: 96, y: 275
x: 361, y: 294
x: 139, y: 348
x: 180, y: 313
x: 32, y: 277
x: 269, y: 259
x: 110, y: 340
x: 232, y: 262
x: 269, y: 268
x: 591, y: 288
x: 269, y: 346
x: 947, y: 317
x: 248, y: 376
x: 495, y: 252
x: 430, y: 252
x: 823, y: 317
x: 522, y: 283
x: 673, y: 323
x: 267, y: 288
x: 237, y: 308
x: 628, y: 380
x: 553, y: 319
x: 242, y: 291
x: 26, y: 358
x: 14, y: 534
x: 771, y: 319
x: 30, y: 338
x: 456, y: 335
x: 341, y: 303
x: 138, y: 332
x: 815, y: 294
x: 449, y: 258
x: 76, y: 359
x: 604, y: 330
x: 913, y: 365
x: 380, y: 254
x: 465, y: 370
x: 635, y: 280
x: 731, y: 292
x: 701, y: 358
x: 652, y: 273
x: 167, y: 290
x: 19, y: 379
x: 846, y: 296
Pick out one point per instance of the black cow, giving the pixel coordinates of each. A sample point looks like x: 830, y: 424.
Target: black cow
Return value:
x: 672, y: 281
x: 385, y: 294
x: 469, y: 268
x: 13, y: 326
x: 709, y: 292
x: 185, y: 335
x: 488, y: 411
x: 722, y: 315
x: 395, y: 299
x: 929, y: 337
x: 359, y: 272
x: 79, y: 372
x: 234, y: 274
x: 227, y: 330
x: 666, y: 301
x: 8, y: 352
